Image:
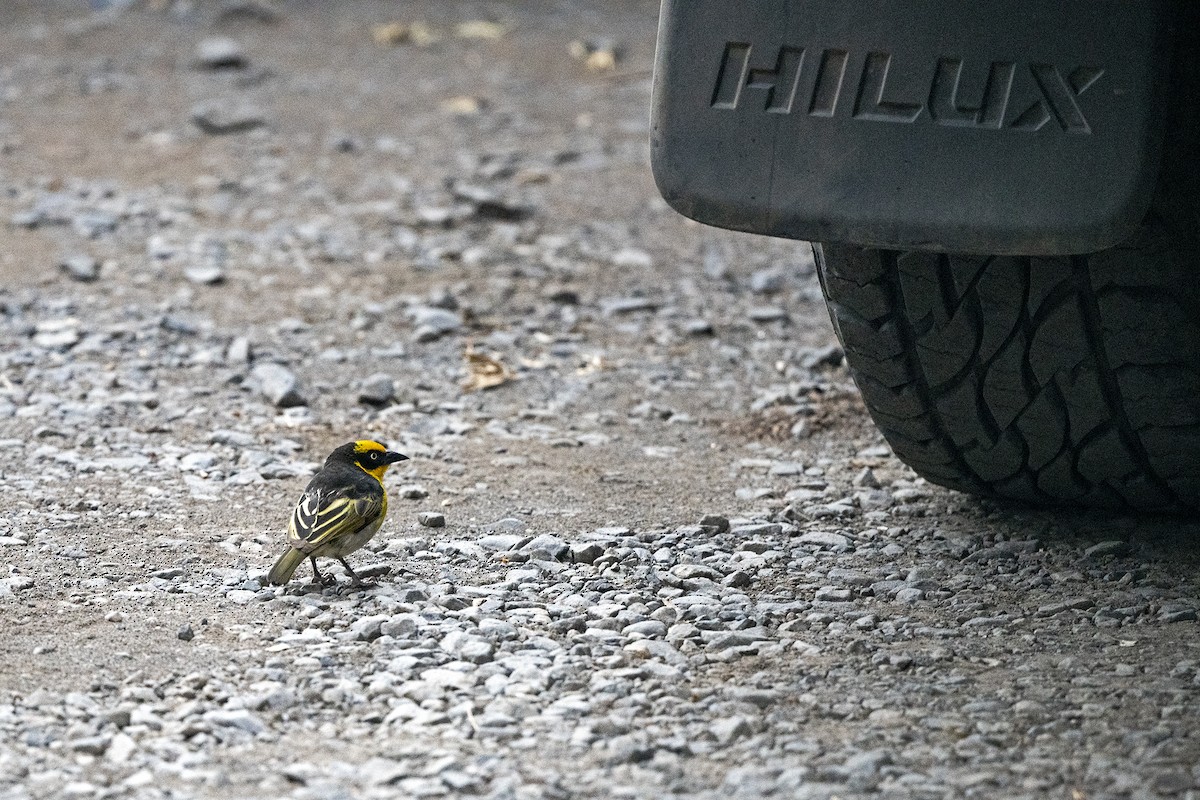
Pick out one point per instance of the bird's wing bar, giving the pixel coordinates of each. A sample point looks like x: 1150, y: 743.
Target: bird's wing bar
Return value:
x: 322, y: 516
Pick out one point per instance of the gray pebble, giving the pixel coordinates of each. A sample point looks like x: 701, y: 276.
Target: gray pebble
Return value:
x: 766, y: 281
x: 1112, y: 547
x: 185, y: 633
x: 615, y: 306
x: 91, y: 745
x: 586, y: 553
x: 377, y: 390
x: 431, y: 519
x: 204, y: 274
x: 81, y: 268
x: 220, y: 118
x: 219, y: 52
x: 546, y: 546
x: 767, y: 314
x: 368, y: 629
x: 278, y: 384
x: 238, y: 351
x: 832, y: 541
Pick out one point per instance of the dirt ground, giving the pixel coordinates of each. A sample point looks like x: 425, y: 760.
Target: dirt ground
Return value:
x: 389, y: 206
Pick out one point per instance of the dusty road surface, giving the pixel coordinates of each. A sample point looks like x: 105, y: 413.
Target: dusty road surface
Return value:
x: 676, y: 559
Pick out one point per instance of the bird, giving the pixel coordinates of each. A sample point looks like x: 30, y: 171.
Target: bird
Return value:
x: 341, y: 509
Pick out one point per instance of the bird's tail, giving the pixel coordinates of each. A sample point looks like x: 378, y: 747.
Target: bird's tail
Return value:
x: 281, y: 573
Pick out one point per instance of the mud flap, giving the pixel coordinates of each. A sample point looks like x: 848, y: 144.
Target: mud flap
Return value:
x: 1015, y: 126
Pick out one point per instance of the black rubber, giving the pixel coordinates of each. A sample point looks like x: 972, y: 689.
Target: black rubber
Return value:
x: 1042, y: 380
x: 1046, y: 380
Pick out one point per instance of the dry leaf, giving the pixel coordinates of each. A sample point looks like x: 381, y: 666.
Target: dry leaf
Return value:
x: 596, y: 56
x: 480, y: 29
x: 484, y: 372
x: 393, y: 33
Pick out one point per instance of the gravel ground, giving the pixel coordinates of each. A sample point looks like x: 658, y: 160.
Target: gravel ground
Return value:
x: 666, y: 555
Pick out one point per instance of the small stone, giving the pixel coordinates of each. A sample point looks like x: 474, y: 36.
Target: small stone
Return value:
x: 615, y: 306
x: 220, y: 119
x: 412, y: 491
x: 204, y: 274
x: 368, y: 629
x: 650, y: 628
x: 586, y: 553
x: 120, y: 748
x: 431, y: 519
x: 506, y: 525
x: 119, y: 717
x: 868, y: 763
x: 237, y: 718
x: 377, y: 390
x: 168, y: 573
x: 433, y: 323
x: 815, y: 358
x: 91, y: 745
x: 238, y: 351
x: 698, y: 327
x: 767, y: 314
x: 690, y: 571
x: 633, y: 257
x: 546, y: 547
x: 826, y: 539
x: 249, y: 10
x: 833, y: 594
x: 730, y: 729
x: 278, y: 384
x: 399, y: 626
x: 94, y: 224
x: 15, y: 583
x: 1080, y: 603
x: 81, y: 268
x: 909, y: 595
x: 1112, y: 547
x: 866, y: 478
x: 766, y: 281
x: 736, y: 580
x: 716, y: 522
x: 219, y: 52
x: 185, y: 633
x: 198, y: 462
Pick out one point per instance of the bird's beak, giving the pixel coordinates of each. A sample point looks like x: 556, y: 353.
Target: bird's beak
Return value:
x: 391, y: 458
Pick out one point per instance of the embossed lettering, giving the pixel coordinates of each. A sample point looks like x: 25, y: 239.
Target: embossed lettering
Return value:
x: 1058, y: 99
x: 947, y: 108
x: 948, y: 103
x: 829, y: 83
x: 734, y: 65
x: 870, y: 103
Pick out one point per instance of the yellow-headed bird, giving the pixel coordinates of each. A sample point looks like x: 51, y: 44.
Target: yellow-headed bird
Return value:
x: 339, y: 512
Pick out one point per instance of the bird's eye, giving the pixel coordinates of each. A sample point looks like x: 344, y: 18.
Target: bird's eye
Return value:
x: 374, y: 455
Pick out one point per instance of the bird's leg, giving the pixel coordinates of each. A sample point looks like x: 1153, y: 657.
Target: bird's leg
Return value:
x: 323, y: 580
x: 357, y: 580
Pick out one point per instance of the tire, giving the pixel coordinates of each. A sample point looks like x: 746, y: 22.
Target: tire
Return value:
x: 1066, y: 380
x: 1071, y: 380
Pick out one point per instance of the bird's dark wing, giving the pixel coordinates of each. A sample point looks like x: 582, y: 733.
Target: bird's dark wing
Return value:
x: 323, y: 515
